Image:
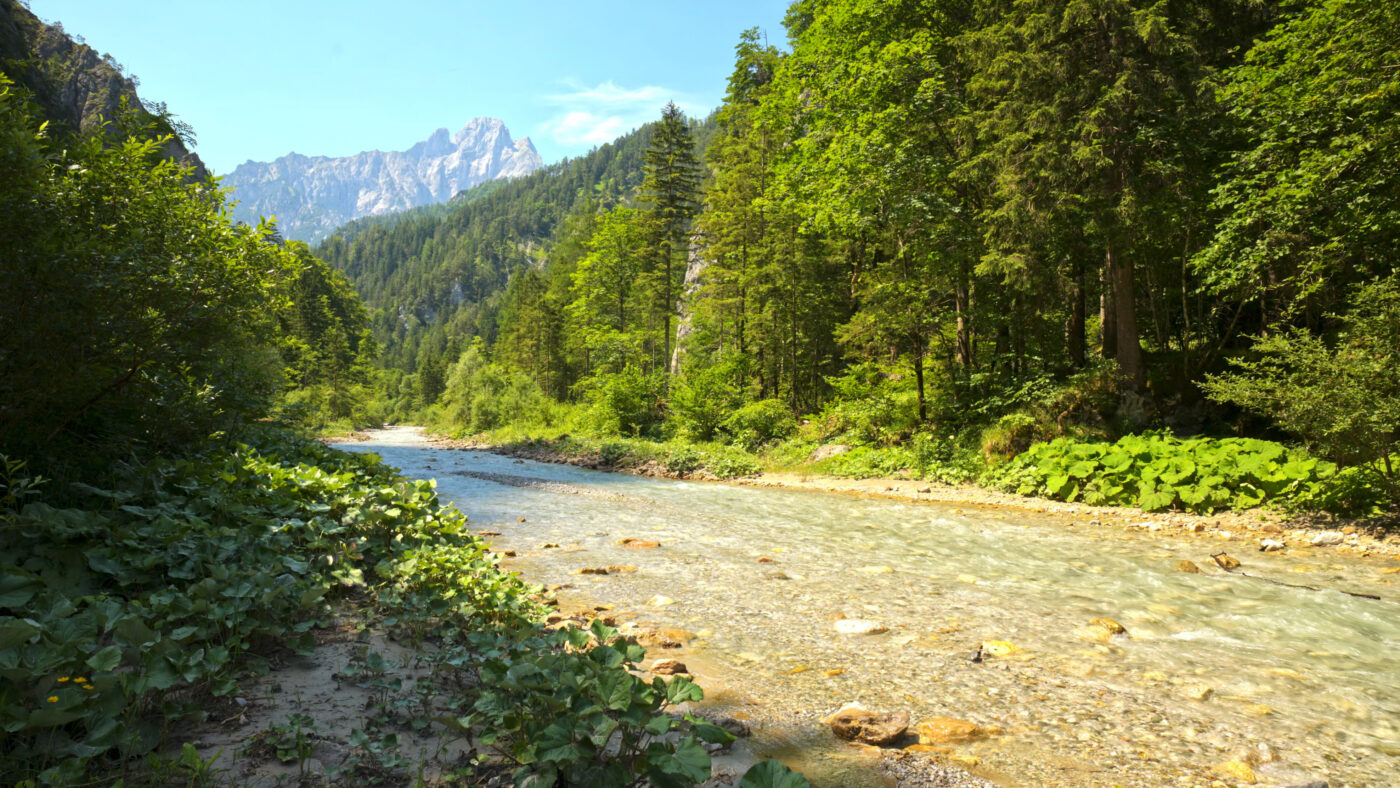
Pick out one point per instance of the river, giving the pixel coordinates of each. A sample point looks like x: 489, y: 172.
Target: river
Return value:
x: 1303, y: 685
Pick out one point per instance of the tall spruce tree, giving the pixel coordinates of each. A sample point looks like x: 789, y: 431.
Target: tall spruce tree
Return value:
x: 671, y: 185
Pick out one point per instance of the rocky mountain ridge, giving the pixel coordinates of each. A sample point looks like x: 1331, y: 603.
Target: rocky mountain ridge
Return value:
x: 311, y: 196
x: 73, y: 85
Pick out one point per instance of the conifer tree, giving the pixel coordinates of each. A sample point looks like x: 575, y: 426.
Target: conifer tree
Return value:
x: 671, y: 185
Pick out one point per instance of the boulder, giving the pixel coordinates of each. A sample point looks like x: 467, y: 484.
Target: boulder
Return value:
x: 668, y: 667
x: 1188, y: 566
x: 854, y: 723
x: 1270, y: 545
x: 1325, y: 539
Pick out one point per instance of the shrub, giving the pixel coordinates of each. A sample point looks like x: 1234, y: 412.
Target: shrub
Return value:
x: 759, y: 423
x: 630, y: 402
x: 700, y: 401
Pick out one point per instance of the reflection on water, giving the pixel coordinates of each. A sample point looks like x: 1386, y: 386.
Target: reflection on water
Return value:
x: 1215, y: 668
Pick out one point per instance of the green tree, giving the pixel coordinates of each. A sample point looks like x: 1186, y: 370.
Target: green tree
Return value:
x: 1312, y: 206
x: 670, y: 188
x: 1343, y: 396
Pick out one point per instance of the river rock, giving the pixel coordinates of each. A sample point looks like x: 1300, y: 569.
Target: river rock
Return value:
x: 876, y: 570
x: 1109, y: 625
x: 999, y: 648
x: 949, y: 730
x: 668, y: 667
x: 593, y: 570
x: 616, y: 568
x: 1270, y: 545
x: 859, y: 626
x: 1226, y: 561
x: 1197, y: 691
x: 661, y: 600
x: 1236, y: 770
x: 827, y: 452
x: 548, y: 546
x: 642, y: 544
x: 1325, y: 539
x: 488, y: 533
x: 1188, y: 566
x: 855, y: 723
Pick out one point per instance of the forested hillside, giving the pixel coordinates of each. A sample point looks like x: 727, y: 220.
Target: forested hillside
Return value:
x: 437, y: 276
x: 961, y: 225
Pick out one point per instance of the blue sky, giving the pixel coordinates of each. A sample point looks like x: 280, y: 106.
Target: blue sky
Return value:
x: 260, y: 79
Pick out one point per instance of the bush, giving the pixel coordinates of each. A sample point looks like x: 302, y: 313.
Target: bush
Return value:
x: 482, y: 396
x: 871, y: 405
x: 759, y: 423
x: 700, y: 401
x: 630, y: 402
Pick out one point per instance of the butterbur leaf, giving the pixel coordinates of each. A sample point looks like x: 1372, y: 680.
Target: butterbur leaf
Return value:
x: 105, y: 660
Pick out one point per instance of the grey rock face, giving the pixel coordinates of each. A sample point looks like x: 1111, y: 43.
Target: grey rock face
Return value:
x: 312, y: 195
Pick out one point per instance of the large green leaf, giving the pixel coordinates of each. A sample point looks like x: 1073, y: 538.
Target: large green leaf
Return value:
x: 772, y: 774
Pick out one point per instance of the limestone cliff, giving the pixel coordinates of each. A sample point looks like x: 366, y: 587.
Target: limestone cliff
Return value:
x: 313, y: 195
x: 75, y: 87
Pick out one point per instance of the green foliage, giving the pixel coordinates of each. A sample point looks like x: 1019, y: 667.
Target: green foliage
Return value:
x: 181, y: 576
x: 702, y: 400
x: 872, y: 405
x: 1343, y: 397
x: 563, y: 706
x: 1311, y: 202
x: 482, y: 396
x: 772, y: 774
x: 1156, y: 472
x: 630, y: 402
x: 132, y: 310
x: 757, y: 424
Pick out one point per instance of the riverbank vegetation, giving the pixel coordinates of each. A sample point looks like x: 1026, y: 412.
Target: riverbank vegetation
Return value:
x: 940, y: 233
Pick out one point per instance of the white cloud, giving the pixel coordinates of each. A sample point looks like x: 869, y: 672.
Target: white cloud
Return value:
x: 591, y: 116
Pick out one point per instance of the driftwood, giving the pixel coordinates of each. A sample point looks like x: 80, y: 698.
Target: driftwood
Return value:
x: 1358, y: 594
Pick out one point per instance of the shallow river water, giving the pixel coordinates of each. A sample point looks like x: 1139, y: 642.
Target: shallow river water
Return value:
x: 1302, y: 684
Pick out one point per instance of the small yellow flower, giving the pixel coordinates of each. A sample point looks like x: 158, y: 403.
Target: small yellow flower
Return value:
x: 53, y: 699
x: 80, y: 680
x: 87, y: 686
x: 63, y: 679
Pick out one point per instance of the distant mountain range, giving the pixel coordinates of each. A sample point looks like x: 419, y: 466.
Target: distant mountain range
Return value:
x: 313, y: 195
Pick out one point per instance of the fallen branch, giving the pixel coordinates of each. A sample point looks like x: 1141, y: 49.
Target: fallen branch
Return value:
x: 1358, y: 594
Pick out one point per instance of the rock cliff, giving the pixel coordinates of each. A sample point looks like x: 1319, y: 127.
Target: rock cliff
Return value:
x: 313, y: 195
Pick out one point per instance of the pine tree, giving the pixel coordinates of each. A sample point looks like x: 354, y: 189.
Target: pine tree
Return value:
x: 671, y: 185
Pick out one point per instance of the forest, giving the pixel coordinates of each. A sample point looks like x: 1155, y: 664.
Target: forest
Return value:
x: 940, y: 233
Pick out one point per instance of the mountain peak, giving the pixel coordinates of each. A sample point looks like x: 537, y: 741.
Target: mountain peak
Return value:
x: 313, y: 195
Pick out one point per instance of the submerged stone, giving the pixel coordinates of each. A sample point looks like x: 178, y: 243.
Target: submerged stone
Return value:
x: 950, y: 730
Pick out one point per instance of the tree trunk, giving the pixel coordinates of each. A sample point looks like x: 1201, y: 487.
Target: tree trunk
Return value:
x: 1108, y: 322
x: 919, y: 379
x: 1125, y: 320
x: 1074, y: 329
x: 962, y: 304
